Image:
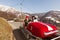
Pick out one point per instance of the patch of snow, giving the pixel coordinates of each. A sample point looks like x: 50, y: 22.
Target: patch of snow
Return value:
x: 7, y: 9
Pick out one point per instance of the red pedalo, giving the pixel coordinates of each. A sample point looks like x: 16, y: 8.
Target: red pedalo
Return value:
x: 42, y: 30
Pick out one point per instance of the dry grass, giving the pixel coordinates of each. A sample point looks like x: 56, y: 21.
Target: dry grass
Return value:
x: 5, y: 30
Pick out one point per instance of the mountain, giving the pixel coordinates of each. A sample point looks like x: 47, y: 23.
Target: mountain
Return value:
x: 52, y: 13
x: 52, y: 17
x: 37, y: 14
x: 9, y: 13
x: 7, y: 9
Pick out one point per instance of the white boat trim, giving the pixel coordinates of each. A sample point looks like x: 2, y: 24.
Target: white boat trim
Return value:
x: 50, y: 32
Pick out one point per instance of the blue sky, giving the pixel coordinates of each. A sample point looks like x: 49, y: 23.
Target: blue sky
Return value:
x: 33, y: 6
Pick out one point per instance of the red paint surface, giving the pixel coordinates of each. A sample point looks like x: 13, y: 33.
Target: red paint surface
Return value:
x: 38, y: 29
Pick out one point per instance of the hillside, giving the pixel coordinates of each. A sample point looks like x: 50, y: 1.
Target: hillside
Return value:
x: 10, y: 13
x: 52, y: 13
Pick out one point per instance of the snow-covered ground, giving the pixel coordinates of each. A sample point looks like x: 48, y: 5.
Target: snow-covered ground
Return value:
x: 15, y: 25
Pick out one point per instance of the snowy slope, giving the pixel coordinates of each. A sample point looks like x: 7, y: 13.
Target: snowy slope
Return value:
x: 7, y: 8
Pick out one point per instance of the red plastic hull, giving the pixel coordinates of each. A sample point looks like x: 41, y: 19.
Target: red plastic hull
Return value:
x: 40, y: 29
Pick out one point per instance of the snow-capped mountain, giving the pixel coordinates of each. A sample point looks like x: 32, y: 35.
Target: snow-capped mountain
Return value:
x: 10, y: 12
x: 7, y: 8
x: 4, y: 8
